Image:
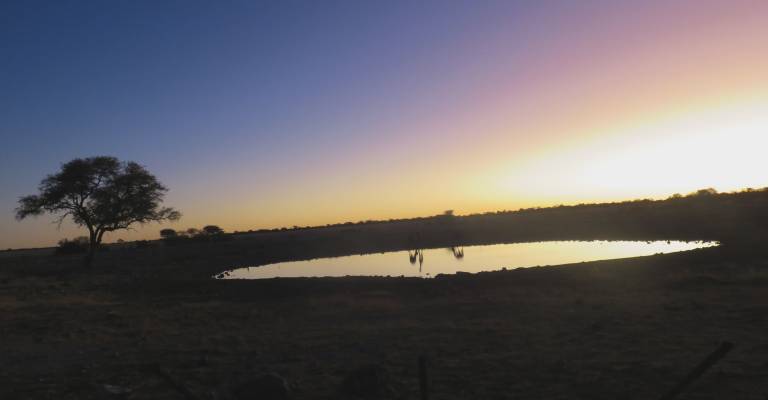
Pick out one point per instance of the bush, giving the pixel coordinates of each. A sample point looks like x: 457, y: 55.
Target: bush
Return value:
x: 77, y: 245
x: 168, y: 233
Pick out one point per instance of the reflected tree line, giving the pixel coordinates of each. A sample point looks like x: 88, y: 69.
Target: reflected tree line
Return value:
x: 418, y: 254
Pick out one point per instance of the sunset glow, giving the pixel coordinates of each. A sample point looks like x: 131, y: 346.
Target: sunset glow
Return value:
x: 314, y: 116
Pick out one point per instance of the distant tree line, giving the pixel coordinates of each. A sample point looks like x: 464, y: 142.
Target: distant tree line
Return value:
x: 702, y: 196
x: 208, y: 232
x: 81, y: 244
x: 446, y: 215
x: 703, y: 213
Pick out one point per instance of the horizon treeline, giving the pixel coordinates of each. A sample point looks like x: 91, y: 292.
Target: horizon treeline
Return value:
x: 677, y: 201
x: 698, y: 194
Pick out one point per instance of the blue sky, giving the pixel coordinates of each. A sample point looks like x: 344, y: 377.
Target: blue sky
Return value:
x: 260, y: 114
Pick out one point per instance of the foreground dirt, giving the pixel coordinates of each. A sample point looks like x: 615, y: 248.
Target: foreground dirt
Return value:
x: 626, y: 329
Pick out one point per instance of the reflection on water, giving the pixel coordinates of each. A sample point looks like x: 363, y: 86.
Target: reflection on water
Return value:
x: 478, y: 258
x: 458, y: 252
x: 412, y: 255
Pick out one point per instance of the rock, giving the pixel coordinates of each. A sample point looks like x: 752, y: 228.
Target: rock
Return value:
x: 264, y: 387
x: 369, y: 382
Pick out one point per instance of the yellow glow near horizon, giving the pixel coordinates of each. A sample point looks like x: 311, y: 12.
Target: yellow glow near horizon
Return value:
x: 601, y: 102
x: 721, y: 148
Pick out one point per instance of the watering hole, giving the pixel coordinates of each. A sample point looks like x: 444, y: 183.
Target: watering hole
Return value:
x: 427, y: 263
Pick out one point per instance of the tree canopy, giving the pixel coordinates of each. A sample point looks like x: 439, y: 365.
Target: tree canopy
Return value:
x: 212, y: 230
x: 102, y: 194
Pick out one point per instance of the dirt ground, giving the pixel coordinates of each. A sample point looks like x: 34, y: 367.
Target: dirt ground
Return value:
x: 628, y: 329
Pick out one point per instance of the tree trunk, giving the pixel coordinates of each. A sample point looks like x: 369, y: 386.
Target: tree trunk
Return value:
x: 93, y: 245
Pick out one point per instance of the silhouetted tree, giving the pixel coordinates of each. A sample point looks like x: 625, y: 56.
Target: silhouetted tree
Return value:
x: 212, y: 230
x: 168, y: 233
x: 192, y: 232
x: 101, y: 193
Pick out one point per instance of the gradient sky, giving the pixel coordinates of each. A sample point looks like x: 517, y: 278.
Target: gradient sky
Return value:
x: 268, y: 114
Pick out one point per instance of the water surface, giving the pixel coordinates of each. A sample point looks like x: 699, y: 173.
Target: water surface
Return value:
x: 430, y: 262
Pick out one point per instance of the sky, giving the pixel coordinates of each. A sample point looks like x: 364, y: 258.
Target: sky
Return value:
x: 261, y: 114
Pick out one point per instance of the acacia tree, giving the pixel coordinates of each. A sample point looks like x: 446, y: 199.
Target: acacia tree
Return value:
x: 212, y: 230
x: 102, y: 194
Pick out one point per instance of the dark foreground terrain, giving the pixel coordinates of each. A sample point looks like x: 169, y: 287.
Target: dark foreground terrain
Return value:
x: 149, y: 323
x: 625, y: 329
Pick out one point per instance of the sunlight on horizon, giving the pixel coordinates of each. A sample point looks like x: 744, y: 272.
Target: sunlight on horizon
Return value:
x: 307, y: 116
x: 721, y: 148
